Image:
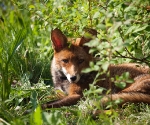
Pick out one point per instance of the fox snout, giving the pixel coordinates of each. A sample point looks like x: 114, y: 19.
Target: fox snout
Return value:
x: 72, y: 78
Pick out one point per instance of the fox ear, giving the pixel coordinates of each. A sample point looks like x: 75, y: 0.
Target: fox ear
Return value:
x: 89, y: 35
x: 59, y: 40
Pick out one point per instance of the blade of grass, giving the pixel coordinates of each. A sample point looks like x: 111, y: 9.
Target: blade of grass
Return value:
x: 6, y: 79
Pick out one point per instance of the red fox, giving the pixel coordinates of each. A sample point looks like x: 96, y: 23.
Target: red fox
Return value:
x: 70, y: 60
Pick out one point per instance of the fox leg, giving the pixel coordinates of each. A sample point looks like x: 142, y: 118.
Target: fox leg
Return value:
x: 133, y: 97
x: 137, y: 92
x: 67, y: 101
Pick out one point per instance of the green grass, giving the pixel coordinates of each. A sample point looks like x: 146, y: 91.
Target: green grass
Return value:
x: 26, y: 53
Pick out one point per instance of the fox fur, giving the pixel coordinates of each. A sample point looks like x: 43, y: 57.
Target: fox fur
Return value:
x: 70, y: 59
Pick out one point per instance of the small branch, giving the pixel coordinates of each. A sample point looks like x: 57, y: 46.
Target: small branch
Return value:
x: 130, y: 54
x: 121, y: 35
x: 105, y: 8
x: 3, y: 121
x: 137, y: 59
x: 90, y: 12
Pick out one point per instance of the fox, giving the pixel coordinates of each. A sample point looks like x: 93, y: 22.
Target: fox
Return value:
x: 70, y: 59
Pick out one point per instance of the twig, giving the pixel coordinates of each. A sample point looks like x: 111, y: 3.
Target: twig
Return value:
x: 90, y: 12
x: 105, y: 8
x: 3, y: 121
x: 137, y: 59
x: 121, y: 35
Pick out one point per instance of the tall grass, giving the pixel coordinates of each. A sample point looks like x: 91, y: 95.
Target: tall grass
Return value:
x: 7, y: 53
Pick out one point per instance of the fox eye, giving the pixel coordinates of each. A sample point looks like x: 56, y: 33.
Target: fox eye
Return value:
x: 65, y: 60
x: 81, y: 61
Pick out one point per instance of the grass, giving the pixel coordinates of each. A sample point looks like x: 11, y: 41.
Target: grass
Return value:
x: 26, y: 53
x: 12, y: 110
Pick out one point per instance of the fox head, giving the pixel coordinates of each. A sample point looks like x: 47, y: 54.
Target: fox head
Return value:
x: 69, y: 59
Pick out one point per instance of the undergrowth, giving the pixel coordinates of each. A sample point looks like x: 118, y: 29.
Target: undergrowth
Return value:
x: 26, y: 52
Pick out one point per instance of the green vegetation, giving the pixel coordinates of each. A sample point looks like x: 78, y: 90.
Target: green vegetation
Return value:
x: 25, y: 54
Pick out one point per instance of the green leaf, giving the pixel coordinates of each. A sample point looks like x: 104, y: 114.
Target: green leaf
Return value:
x: 34, y: 99
x: 105, y: 66
x: 126, y: 75
x: 96, y: 15
x: 140, y: 29
x: 31, y: 6
x: 131, y: 29
x: 36, y: 117
x: 101, y: 26
x: 121, y: 85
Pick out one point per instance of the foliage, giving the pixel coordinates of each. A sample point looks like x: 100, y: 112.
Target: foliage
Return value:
x: 25, y: 54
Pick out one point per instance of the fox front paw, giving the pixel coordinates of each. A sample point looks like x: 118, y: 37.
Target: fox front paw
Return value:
x: 50, y: 104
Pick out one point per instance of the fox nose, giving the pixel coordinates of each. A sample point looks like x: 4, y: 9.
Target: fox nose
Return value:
x: 73, y: 78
